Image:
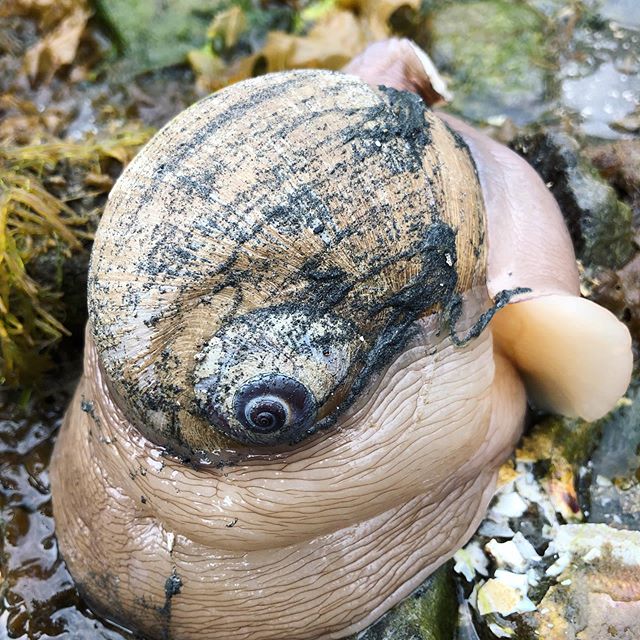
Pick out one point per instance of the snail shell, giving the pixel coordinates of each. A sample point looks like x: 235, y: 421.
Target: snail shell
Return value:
x: 269, y: 251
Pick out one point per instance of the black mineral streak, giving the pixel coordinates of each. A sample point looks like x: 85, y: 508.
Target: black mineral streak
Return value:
x: 501, y: 300
x: 399, y: 117
x: 172, y: 587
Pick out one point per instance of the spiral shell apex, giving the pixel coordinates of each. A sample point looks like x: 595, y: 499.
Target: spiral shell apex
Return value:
x: 268, y: 252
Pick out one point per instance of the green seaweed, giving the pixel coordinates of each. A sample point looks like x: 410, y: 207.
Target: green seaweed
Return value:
x: 35, y: 222
x: 497, y: 56
x: 430, y: 614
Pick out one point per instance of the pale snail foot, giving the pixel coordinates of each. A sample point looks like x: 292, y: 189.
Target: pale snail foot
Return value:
x: 125, y: 544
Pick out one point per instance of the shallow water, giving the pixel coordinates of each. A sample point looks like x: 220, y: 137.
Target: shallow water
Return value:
x: 39, y: 599
x: 600, y: 79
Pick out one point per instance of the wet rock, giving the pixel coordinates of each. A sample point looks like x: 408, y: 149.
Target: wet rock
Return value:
x: 615, y: 469
x: 156, y: 34
x: 506, y: 593
x: 559, y: 450
x: 597, y: 592
x: 39, y: 599
x: 619, y: 163
x: 520, y: 565
x: 619, y: 291
x: 599, y: 71
x: 600, y: 224
x: 624, y: 12
x: 628, y: 124
x: 505, y: 562
x: 495, y: 52
x: 68, y: 276
x: 429, y: 614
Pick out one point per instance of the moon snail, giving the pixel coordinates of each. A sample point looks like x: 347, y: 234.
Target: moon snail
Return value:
x: 317, y: 310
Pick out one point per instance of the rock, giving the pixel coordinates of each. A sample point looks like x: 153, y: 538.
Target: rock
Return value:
x: 513, y: 554
x: 495, y: 52
x: 157, y: 34
x: 533, y: 576
x: 619, y: 291
x: 600, y: 224
x: 429, y: 614
x: 471, y: 560
x: 506, y: 593
x: 624, y: 12
x: 615, y: 486
x: 597, y: 595
x: 629, y: 123
x: 619, y: 163
x: 599, y: 68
